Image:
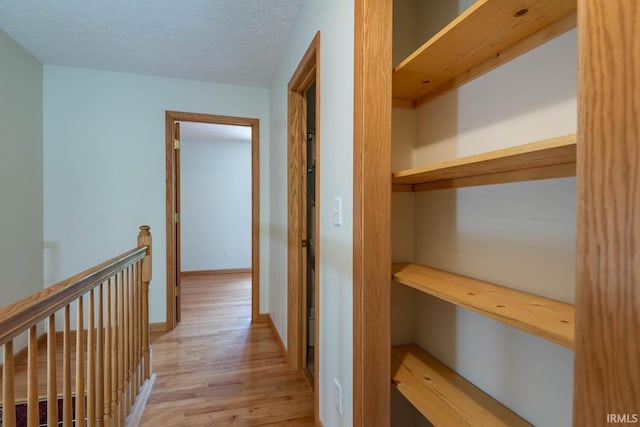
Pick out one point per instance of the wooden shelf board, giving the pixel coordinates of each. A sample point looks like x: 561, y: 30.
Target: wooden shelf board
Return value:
x: 443, y: 396
x: 549, y: 158
x: 543, y: 317
x: 487, y: 34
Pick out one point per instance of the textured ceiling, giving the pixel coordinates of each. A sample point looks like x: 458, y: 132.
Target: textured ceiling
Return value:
x: 208, y: 131
x: 226, y: 41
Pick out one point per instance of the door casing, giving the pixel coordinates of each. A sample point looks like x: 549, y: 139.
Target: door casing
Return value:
x: 171, y: 117
x: 304, y: 76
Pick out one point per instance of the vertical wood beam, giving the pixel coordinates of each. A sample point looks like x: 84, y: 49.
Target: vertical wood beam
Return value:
x: 66, y: 369
x: 80, y: 413
x: 8, y: 394
x: 607, y: 358
x: 144, y: 239
x: 372, y: 213
x: 52, y: 384
x: 33, y: 414
x: 296, y: 122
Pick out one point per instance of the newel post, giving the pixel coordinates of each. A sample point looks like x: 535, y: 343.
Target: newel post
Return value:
x: 144, y: 239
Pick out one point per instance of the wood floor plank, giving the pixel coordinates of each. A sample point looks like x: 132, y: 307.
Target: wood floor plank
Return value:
x: 217, y: 369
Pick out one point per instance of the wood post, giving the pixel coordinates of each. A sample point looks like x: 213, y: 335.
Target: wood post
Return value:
x: 52, y: 384
x: 607, y: 361
x: 32, y: 378
x: 8, y: 417
x: 144, y: 239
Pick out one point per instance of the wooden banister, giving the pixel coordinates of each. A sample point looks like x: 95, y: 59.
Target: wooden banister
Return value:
x: 23, y: 314
x: 111, y: 365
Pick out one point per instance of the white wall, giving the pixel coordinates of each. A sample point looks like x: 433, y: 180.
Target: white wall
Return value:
x: 335, y: 20
x: 215, y: 189
x: 104, y: 165
x: 20, y: 172
x: 520, y: 235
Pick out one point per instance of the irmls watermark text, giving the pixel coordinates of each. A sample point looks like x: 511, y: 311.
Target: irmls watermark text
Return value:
x: 623, y: 418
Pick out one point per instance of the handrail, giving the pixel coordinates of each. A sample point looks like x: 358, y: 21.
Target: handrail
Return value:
x: 112, y: 357
x: 21, y: 315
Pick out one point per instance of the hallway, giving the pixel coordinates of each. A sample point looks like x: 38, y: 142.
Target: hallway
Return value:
x: 217, y: 369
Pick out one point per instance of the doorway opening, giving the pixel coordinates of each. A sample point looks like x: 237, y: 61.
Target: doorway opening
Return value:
x: 174, y: 122
x: 303, y: 318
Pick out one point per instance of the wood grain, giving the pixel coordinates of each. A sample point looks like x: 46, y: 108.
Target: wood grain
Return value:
x: 474, y: 43
x: 372, y: 213
x: 33, y: 419
x: 444, y: 397
x: 296, y: 132
x: 549, y: 158
x: 177, y: 225
x: 8, y: 397
x: 219, y: 368
x: 607, y: 358
x: 543, y: 317
x: 52, y: 372
x: 79, y: 415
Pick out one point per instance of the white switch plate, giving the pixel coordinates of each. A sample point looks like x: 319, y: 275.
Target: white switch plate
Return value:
x: 337, y: 211
x: 338, y: 395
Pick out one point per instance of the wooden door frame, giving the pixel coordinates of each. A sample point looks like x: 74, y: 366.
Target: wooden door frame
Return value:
x: 606, y: 375
x: 372, y: 213
x: 304, y: 76
x: 176, y: 116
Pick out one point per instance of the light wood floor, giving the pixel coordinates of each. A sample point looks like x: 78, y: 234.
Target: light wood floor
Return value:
x: 218, y: 369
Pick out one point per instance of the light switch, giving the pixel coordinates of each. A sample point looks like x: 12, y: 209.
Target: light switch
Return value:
x: 337, y: 211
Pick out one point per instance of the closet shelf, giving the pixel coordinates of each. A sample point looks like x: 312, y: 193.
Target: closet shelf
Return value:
x: 549, y: 158
x: 543, y: 317
x: 486, y: 35
x: 442, y: 396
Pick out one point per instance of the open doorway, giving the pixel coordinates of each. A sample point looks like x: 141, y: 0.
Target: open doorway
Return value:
x: 175, y: 126
x: 303, y: 318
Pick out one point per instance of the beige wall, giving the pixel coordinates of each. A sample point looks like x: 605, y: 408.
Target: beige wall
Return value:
x: 335, y: 20
x: 20, y: 172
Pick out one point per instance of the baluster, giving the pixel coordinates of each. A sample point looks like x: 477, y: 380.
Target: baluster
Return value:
x: 134, y: 308
x: 79, y: 416
x: 91, y: 363
x: 131, y: 311
x: 115, y: 345
x: 125, y: 345
x: 66, y: 369
x: 52, y: 381
x: 121, y: 409
x: 33, y: 418
x: 127, y: 342
x: 144, y: 239
x: 98, y: 386
x: 139, y: 335
x: 8, y: 396
x: 107, y: 358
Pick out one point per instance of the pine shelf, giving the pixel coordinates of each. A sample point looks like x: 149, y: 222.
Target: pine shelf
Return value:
x: 549, y: 158
x: 442, y: 396
x: 543, y: 317
x: 486, y: 35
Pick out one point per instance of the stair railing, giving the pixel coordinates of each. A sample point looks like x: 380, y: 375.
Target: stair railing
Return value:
x: 112, y: 361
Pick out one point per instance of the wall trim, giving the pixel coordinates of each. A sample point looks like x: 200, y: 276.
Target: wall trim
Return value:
x: 272, y: 325
x: 158, y: 327
x: 214, y: 272
x: 372, y: 213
